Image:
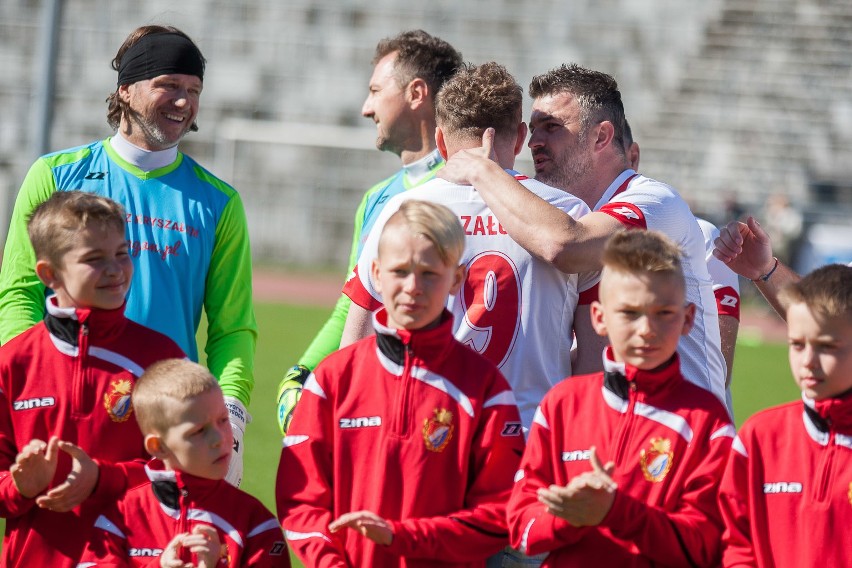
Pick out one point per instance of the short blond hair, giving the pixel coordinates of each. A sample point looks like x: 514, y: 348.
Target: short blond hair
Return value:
x: 168, y: 380
x: 639, y: 251
x: 827, y: 292
x: 433, y: 221
x: 55, y: 225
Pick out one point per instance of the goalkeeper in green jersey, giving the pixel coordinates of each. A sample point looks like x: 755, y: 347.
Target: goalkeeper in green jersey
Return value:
x: 408, y: 71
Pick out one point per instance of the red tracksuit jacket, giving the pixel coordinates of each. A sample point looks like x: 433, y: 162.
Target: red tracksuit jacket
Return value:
x: 669, y: 440
x: 71, y: 376
x: 786, y: 495
x: 415, y: 427
x: 135, y: 531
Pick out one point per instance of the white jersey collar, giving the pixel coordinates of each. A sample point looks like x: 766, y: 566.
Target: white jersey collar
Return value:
x: 419, y: 169
x: 613, y: 187
x: 145, y: 160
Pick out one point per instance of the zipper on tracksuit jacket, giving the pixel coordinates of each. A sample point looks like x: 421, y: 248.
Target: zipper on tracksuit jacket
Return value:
x: 402, y: 417
x: 79, y: 387
x: 627, y: 425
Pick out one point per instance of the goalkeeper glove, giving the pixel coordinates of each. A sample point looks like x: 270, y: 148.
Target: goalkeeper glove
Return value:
x: 289, y: 393
x: 239, y: 418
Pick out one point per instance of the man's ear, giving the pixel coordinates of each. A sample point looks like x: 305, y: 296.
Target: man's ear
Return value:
x: 520, y: 143
x: 598, y: 320
x: 417, y: 92
x: 441, y: 143
x: 689, y: 320
x: 46, y: 272
x: 458, y: 278
x: 374, y: 273
x: 606, y: 133
x: 154, y: 446
x: 124, y: 93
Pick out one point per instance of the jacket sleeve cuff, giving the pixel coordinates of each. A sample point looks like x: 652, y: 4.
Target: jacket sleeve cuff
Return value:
x: 623, y: 514
x: 400, y: 544
x: 115, y: 478
x: 14, y: 503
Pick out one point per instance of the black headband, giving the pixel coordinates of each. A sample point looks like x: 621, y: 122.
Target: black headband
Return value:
x: 160, y: 54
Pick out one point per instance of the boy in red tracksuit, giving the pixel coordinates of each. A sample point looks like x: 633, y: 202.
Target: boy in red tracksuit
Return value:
x: 664, y: 440
x: 185, y: 513
x: 786, y: 495
x: 402, y: 449
x: 67, y: 436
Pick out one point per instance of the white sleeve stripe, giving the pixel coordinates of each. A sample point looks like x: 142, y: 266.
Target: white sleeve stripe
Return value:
x: 311, y: 385
x: 539, y: 419
x: 269, y: 525
x: 526, y: 536
x: 445, y: 385
x: 117, y: 359
x: 738, y: 447
x: 216, y: 521
x: 669, y: 419
x: 293, y: 535
x: 726, y: 431
x: 293, y: 440
x: 435, y: 380
x: 505, y: 398
x: 107, y: 525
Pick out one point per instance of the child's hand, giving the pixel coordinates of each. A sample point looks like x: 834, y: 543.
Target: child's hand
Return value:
x: 586, y: 499
x: 35, y: 467
x: 367, y: 523
x: 203, y: 541
x: 170, y: 558
x: 79, y: 484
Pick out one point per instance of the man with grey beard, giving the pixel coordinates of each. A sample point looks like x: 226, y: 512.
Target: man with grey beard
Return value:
x: 186, y: 229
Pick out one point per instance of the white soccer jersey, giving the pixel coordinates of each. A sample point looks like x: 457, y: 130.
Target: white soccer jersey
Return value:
x: 513, y: 308
x: 640, y: 202
x: 726, y: 284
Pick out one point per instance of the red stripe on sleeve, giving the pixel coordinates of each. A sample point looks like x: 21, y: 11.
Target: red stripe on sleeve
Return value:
x: 627, y: 214
x: 359, y: 295
x: 728, y: 302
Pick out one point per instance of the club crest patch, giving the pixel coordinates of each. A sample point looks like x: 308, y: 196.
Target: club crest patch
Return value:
x: 657, y: 461
x: 117, y: 400
x: 438, y: 430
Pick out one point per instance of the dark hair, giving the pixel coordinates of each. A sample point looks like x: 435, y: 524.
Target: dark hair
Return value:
x: 116, y: 108
x: 596, y: 94
x: 420, y: 55
x: 479, y: 96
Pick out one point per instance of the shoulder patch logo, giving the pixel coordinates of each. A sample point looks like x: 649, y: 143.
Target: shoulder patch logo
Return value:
x: 438, y: 430
x: 512, y: 429
x: 657, y: 461
x: 117, y: 400
x: 278, y: 548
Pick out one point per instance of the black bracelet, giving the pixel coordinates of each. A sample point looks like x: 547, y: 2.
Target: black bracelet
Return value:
x: 766, y: 276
